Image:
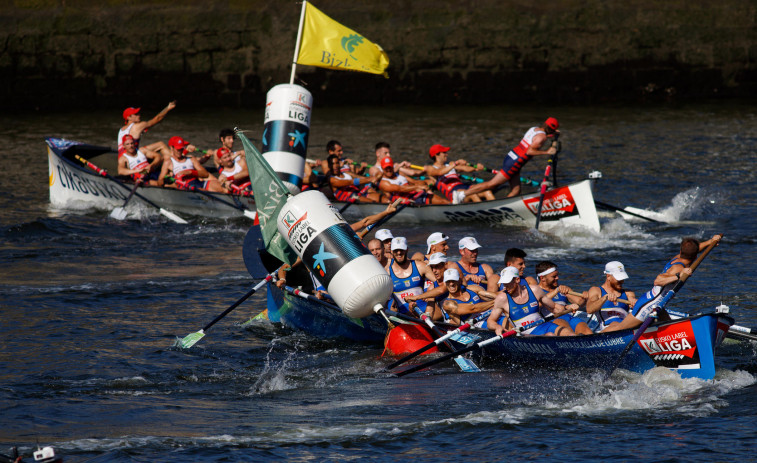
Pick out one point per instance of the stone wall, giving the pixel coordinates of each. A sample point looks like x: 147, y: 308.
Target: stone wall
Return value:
x: 85, y: 53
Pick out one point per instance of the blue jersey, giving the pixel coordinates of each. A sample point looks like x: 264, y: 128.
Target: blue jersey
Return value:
x: 480, y: 271
x: 411, y: 285
x: 473, y: 299
x: 611, y: 312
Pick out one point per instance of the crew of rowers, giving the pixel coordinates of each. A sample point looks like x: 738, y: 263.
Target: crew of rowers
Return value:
x: 173, y: 165
x: 469, y: 291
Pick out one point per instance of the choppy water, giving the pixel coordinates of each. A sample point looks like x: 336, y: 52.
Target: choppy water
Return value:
x: 91, y: 307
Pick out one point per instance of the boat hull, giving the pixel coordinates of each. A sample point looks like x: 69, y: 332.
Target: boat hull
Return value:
x: 570, y: 205
x: 75, y: 187
x: 686, y: 346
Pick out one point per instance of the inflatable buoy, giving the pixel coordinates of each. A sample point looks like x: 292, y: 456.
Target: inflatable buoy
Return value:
x: 406, y: 339
x: 334, y: 254
x: 286, y: 132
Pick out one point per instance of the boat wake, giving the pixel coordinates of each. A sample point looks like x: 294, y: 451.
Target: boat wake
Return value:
x: 681, y: 211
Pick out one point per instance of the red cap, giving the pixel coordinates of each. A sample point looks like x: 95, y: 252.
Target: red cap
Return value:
x: 552, y: 123
x: 221, y: 151
x: 436, y: 149
x: 387, y: 162
x: 126, y: 137
x: 178, y: 143
x: 129, y: 112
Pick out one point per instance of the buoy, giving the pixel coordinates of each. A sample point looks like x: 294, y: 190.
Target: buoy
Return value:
x: 286, y: 132
x: 334, y: 254
x: 405, y: 339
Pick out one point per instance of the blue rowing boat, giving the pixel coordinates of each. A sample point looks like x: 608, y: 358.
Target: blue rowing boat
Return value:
x: 685, y: 345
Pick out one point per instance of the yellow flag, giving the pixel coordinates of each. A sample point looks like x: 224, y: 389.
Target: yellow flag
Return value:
x: 326, y: 43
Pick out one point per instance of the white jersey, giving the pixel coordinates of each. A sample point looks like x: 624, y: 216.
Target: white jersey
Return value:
x: 121, y: 133
x: 183, y: 168
x: 228, y: 172
x: 138, y: 162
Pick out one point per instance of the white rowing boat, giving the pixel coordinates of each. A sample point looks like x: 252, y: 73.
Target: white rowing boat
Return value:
x: 74, y: 186
x: 570, y: 205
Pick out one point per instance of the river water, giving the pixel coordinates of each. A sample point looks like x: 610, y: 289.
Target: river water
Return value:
x: 91, y: 307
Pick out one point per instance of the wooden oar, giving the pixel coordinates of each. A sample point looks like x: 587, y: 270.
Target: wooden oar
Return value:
x: 543, y: 190
x: 170, y: 215
x: 192, y: 338
x: 661, y: 305
x: 474, y: 346
x: 381, y: 221
x: 622, y: 301
x: 119, y: 213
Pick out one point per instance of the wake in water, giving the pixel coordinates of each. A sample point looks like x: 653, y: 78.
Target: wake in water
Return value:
x: 684, y: 208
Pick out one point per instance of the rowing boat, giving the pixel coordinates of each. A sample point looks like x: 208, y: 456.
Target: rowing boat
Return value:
x: 569, y: 205
x: 686, y: 346
x: 73, y: 186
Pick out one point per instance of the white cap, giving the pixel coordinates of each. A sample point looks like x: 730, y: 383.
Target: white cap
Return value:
x: 508, y: 274
x: 616, y: 269
x: 384, y: 234
x: 437, y: 258
x: 399, y: 243
x: 451, y: 274
x: 435, y: 238
x: 469, y: 243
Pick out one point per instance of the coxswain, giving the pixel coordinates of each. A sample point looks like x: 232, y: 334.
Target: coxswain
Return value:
x: 352, y: 188
x: 408, y: 276
x: 518, y: 306
x: 134, y: 126
x: 448, y: 180
x: 665, y: 281
x: 187, y: 170
x: 566, y: 304
x: 538, y: 141
x: 141, y: 164
x: 232, y: 171
x: 410, y: 190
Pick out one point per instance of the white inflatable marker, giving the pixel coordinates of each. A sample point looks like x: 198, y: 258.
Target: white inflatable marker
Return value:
x: 286, y: 132
x: 334, y: 254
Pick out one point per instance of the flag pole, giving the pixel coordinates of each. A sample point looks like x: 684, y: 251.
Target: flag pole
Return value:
x: 297, y: 46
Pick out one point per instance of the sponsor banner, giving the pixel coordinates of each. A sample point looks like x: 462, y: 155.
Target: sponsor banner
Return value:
x: 286, y: 136
x: 289, y: 103
x: 331, y: 250
x: 558, y: 204
x: 672, y: 346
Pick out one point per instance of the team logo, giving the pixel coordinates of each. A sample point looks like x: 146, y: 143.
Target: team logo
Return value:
x: 289, y: 219
x: 319, y: 260
x: 296, y: 138
x: 350, y: 43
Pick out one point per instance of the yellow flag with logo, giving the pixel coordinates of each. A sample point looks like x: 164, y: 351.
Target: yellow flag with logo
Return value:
x: 326, y: 43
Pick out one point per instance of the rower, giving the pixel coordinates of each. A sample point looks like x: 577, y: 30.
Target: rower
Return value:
x: 438, y: 264
x: 352, y: 188
x: 134, y: 126
x: 409, y: 276
x: 514, y: 257
x: 436, y: 242
x: 383, y: 150
x: 385, y: 235
x: 141, y: 164
x: 232, y: 172
x: 538, y: 141
x: 448, y: 180
x: 468, y: 265
x: 187, y: 170
x: 665, y: 281
x: 226, y: 137
x: 566, y: 304
x: 518, y: 306
x: 409, y: 189
x: 468, y: 300
x: 376, y: 247
x: 603, y: 300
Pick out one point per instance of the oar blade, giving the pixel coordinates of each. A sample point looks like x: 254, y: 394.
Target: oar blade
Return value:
x: 118, y: 213
x: 171, y: 216
x: 467, y: 365
x: 191, y: 339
